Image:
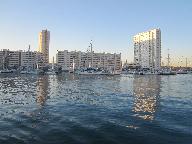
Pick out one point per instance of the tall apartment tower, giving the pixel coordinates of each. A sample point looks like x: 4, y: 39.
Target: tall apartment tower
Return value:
x: 147, y: 49
x: 44, y: 39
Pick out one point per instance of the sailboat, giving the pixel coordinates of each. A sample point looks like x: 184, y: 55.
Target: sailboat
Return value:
x: 31, y: 71
x: 6, y: 71
x: 167, y: 71
x: 182, y: 70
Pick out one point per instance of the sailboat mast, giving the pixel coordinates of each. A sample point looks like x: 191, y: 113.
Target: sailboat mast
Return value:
x: 186, y: 62
x: 115, y: 63
x: 53, y: 63
x: 73, y: 64
x: 3, y: 62
x: 91, y: 44
x: 168, y: 58
x: 28, y: 58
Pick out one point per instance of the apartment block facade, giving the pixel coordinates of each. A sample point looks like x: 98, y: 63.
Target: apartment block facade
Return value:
x: 28, y: 59
x: 10, y: 59
x: 44, y: 40
x: 66, y: 58
x: 32, y: 59
x: 147, y: 49
x: 20, y: 59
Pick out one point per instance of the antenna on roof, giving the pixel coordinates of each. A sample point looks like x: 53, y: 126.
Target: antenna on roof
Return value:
x: 29, y: 48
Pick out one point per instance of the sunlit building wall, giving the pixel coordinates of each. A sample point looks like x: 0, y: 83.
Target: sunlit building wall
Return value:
x: 84, y: 59
x: 66, y: 59
x: 28, y: 60
x: 9, y: 59
x: 147, y: 49
x: 3, y: 58
x: 44, y: 39
x: 32, y: 60
x: 39, y: 60
x: 14, y: 59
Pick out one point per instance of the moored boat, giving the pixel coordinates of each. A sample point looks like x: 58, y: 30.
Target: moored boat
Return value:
x: 92, y: 71
x: 182, y: 72
x: 167, y: 72
x: 6, y: 71
x: 35, y: 72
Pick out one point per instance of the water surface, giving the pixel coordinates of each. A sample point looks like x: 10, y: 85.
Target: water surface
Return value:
x: 96, y: 109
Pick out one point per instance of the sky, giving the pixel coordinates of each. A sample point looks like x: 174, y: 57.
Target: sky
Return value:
x: 111, y: 24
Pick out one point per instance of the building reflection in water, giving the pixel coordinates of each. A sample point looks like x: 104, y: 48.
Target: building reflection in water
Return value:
x: 42, y: 90
x: 146, y: 95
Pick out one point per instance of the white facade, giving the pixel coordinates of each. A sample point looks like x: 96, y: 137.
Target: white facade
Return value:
x: 3, y: 58
x: 147, y: 49
x: 82, y: 60
x: 66, y: 59
x: 28, y: 60
x: 31, y: 59
x: 9, y: 59
x: 25, y: 59
x: 14, y: 60
x: 44, y: 39
x: 39, y: 59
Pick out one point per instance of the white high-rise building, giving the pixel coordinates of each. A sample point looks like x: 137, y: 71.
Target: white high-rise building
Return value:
x: 44, y: 39
x: 147, y: 49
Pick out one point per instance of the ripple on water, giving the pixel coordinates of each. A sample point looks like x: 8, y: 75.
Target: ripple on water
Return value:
x: 95, y: 109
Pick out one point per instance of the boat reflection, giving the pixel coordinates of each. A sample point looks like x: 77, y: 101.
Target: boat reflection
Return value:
x: 42, y: 90
x: 146, y: 96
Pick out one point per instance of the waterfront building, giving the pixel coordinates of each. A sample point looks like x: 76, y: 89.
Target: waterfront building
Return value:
x: 107, y: 61
x: 65, y: 59
x: 39, y: 60
x: 4, y: 58
x: 32, y: 60
x: 28, y: 60
x: 44, y: 39
x: 9, y: 59
x: 147, y: 49
x: 14, y: 59
x: 24, y: 59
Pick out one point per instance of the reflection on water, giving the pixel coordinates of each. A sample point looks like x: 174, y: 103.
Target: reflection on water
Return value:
x: 95, y: 109
x: 146, y: 91
x: 42, y: 90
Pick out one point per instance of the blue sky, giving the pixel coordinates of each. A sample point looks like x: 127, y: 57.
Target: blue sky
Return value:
x: 110, y: 23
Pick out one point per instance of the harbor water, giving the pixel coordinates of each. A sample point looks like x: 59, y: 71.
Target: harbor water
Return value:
x: 74, y: 109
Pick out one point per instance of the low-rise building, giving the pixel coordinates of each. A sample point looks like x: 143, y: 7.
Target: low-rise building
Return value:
x: 28, y: 60
x: 14, y: 59
x: 67, y: 59
x: 32, y: 60
x: 21, y: 59
x: 9, y: 59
